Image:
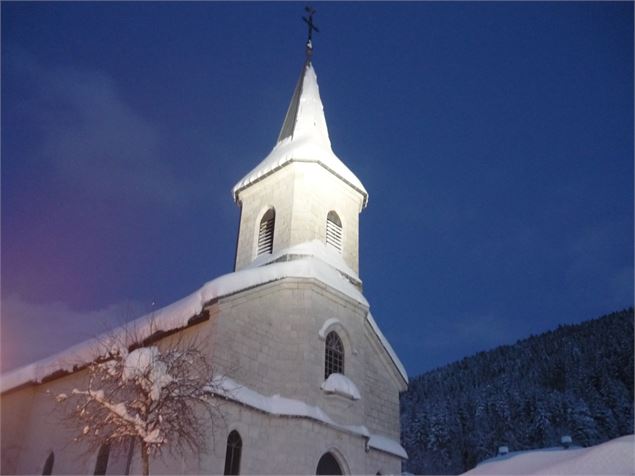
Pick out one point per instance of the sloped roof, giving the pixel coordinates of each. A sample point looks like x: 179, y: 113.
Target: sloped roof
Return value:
x: 311, y: 262
x: 304, y: 137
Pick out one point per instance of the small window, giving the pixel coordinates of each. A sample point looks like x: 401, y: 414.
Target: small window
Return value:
x: 102, y: 459
x: 334, y: 231
x: 334, y: 355
x: 48, y: 465
x: 265, y: 233
x: 232, y: 456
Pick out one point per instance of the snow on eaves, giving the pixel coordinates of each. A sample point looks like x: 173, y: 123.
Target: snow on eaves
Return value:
x: 387, y: 346
x: 388, y: 445
x: 315, y: 262
x: 301, y: 150
x: 177, y: 315
x: 282, y: 406
x: 313, y: 248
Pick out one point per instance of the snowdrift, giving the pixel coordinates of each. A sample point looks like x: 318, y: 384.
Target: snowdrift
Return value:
x: 615, y: 457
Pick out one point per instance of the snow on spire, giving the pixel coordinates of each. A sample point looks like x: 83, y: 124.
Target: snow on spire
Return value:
x: 304, y: 137
x: 305, y: 116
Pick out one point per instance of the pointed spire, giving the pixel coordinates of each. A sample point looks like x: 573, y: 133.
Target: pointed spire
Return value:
x: 292, y: 112
x: 305, y: 115
x: 304, y: 136
x: 312, y: 95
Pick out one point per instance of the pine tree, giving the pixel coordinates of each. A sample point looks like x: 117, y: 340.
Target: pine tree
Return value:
x: 575, y: 380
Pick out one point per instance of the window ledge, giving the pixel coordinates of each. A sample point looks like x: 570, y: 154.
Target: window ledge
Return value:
x: 341, y: 385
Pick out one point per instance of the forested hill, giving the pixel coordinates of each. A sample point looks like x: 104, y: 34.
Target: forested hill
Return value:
x: 576, y: 380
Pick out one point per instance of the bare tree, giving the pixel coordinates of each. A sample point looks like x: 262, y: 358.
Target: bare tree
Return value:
x: 152, y: 395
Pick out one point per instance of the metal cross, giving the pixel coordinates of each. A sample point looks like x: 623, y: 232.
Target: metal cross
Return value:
x: 309, y: 21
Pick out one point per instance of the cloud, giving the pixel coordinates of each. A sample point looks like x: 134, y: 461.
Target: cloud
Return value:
x: 32, y: 331
x: 90, y: 135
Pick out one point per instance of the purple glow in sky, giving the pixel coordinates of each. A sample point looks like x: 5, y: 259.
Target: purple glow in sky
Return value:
x: 495, y: 141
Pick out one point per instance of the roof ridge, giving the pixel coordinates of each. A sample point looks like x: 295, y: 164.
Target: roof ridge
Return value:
x: 288, y: 126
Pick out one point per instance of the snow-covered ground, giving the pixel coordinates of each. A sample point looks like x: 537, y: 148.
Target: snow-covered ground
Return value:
x: 615, y: 457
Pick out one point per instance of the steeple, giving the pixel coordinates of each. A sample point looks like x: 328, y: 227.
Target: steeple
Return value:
x: 311, y: 121
x: 304, y: 137
x: 301, y: 192
x: 305, y: 116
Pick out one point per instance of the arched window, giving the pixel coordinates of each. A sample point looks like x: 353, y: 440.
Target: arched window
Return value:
x: 334, y: 231
x: 232, y: 456
x: 333, y: 355
x: 265, y: 233
x: 328, y: 465
x: 48, y: 465
x: 102, y: 459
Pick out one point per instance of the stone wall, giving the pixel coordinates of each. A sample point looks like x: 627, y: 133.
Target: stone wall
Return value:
x: 33, y: 426
x: 267, y: 339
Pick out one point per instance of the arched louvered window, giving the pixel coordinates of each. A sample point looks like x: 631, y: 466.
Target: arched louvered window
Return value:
x: 333, y: 355
x: 102, y: 459
x: 334, y: 231
x: 265, y: 233
x: 232, y: 455
x: 48, y: 465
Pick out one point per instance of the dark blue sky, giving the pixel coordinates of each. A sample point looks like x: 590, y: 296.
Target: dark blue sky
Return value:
x: 495, y: 140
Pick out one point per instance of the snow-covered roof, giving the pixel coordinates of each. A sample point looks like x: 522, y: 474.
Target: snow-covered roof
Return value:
x: 178, y: 314
x: 282, y: 406
x: 314, y: 248
x: 613, y: 457
x: 387, y: 346
x: 304, y: 138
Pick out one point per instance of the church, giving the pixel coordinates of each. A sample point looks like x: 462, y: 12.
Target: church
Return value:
x: 312, y: 384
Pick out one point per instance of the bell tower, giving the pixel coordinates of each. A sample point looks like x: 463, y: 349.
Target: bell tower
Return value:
x: 301, y: 195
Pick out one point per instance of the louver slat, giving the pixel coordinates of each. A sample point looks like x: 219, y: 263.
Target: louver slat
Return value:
x: 333, y: 234
x: 265, y: 233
